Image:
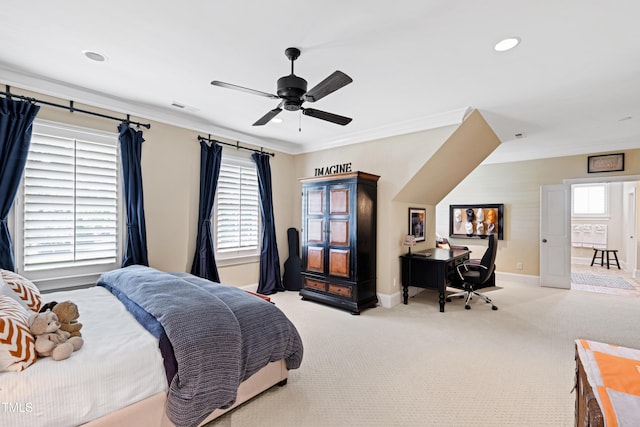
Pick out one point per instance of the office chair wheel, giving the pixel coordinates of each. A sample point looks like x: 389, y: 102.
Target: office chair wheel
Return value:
x: 467, y: 307
x: 494, y: 307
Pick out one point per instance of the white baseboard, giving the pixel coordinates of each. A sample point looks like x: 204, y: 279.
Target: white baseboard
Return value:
x: 253, y: 287
x: 390, y: 300
x: 581, y: 260
x: 524, y: 279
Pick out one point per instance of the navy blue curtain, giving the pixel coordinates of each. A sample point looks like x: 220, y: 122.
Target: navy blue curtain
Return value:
x: 204, y: 261
x: 270, y: 280
x: 131, y: 153
x: 16, y: 120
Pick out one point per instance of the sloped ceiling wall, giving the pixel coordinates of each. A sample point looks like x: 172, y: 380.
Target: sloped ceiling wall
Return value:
x: 465, y: 149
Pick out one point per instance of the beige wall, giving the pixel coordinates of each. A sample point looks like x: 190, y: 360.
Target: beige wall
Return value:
x: 517, y: 185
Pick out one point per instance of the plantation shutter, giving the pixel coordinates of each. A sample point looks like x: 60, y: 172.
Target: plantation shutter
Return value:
x: 70, y: 203
x: 237, y: 209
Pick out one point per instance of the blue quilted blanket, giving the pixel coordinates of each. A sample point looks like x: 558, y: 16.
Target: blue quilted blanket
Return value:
x: 219, y: 335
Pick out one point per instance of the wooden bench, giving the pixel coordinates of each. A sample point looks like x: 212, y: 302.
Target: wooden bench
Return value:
x: 604, y: 252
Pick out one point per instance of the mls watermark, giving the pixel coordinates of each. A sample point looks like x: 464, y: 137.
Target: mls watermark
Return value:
x: 16, y: 407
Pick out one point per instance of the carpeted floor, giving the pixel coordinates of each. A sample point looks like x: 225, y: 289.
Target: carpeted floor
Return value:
x: 598, y: 280
x: 414, y: 366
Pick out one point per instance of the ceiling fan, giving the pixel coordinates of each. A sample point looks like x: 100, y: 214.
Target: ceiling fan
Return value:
x: 292, y: 91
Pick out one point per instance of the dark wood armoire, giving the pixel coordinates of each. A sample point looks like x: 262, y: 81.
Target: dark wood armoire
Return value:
x: 339, y: 240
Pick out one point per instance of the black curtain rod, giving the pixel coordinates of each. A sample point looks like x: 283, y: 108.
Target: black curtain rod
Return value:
x: 236, y: 145
x: 71, y: 108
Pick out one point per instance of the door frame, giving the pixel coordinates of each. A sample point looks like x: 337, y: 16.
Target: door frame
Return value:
x: 605, y: 179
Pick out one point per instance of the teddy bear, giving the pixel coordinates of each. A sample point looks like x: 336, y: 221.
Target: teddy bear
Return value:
x: 68, y: 314
x: 50, y: 339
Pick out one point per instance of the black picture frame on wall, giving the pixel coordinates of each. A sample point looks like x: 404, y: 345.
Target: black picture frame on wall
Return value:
x: 417, y: 218
x: 476, y: 221
x: 605, y: 163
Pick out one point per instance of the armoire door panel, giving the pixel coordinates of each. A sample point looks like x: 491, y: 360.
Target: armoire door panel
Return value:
x: 339, y: 262
x: 315, y: 259
x: 339, y: 232
x: 314, y: 230
x: 315, y: 202
x: 339, y: 201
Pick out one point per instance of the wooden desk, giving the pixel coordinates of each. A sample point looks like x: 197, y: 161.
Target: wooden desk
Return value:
x: 433, y: 268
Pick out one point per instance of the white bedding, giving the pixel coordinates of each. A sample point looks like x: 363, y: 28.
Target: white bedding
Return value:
x: 119, y: 364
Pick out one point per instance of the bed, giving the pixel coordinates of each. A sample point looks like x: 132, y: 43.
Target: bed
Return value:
x: 160, y: 349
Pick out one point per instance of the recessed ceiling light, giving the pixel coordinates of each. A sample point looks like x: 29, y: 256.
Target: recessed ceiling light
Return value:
x: 94, y: 56
x: 507, y: 44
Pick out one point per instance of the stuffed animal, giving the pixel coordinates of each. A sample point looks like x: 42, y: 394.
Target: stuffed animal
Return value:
x: 67, y: 313
x: 47, y: 306
x: 50, y: 340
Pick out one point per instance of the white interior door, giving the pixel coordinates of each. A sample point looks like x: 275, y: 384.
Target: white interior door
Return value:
x: 555, y: 236
x: 631, y: 249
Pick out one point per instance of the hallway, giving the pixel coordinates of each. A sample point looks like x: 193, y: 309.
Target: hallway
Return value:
x: 603, y: 271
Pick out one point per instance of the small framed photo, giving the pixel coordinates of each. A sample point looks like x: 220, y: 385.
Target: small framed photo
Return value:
x: 606, y: 163
x: 417, y: 224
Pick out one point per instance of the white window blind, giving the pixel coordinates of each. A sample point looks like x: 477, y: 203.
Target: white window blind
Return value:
x: 70, y: 205
x: 237, y: 221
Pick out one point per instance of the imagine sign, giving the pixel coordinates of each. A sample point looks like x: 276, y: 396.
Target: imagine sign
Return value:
x: 334, y: 169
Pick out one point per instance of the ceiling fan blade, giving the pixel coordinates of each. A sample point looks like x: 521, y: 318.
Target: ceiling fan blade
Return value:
x: 323, y: 115
x: 332, y: 83
x: 267, y: 117
x: 244, y: 89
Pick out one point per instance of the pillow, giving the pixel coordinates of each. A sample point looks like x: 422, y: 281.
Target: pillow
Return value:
x: 17, y: 344
x: 20, y: 289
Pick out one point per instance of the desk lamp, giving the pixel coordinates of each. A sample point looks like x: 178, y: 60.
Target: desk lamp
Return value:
x: 409, y: 242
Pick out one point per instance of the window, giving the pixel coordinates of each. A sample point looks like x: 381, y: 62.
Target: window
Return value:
x: 590, y: 200
x: 236, y: 212
x: 68, y: 213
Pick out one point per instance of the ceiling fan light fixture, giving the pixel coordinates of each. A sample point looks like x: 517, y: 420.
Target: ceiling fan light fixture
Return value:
x: 276, y: 120
x: 507, y: 44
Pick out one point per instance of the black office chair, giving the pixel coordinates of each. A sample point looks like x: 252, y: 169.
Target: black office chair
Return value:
x: 474, y: 274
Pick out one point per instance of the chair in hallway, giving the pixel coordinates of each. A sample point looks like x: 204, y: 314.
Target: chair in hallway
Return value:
x: 474, y: 274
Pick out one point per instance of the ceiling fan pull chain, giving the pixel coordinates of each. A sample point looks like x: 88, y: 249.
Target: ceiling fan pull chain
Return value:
x: 299, y: 120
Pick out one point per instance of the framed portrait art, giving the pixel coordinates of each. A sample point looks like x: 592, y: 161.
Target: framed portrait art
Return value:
x: 476, y: 221
x: 417, y: 224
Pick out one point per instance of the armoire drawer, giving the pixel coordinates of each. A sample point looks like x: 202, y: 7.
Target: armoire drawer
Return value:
x: 345, y: 291
x: 315, y: 284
